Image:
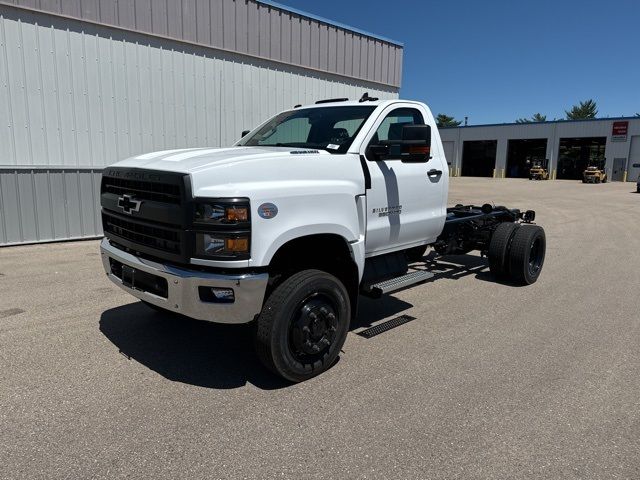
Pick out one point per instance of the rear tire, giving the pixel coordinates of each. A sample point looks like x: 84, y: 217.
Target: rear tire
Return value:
x: 526, y: 254
x: 499, y: 248
x: 303, y: 325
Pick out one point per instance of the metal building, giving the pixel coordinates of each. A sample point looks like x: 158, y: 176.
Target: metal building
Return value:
x: 84, y: 83
x: 508, y: 150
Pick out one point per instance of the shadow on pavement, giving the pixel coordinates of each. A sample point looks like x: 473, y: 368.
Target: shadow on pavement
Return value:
x: 185, y: 350
x: 453, y: 267
x: 221, y: 356
x: 202, y: 353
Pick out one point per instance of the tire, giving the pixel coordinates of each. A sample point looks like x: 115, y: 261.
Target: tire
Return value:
x: 303, y: 325
x: 526, y: 255
x: 598, y: 180
x: 499, y: 248
x: 415, y: 254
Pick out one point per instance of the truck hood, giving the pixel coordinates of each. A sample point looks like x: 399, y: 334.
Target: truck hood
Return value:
x: 193, y: 160
x: 252, y: 171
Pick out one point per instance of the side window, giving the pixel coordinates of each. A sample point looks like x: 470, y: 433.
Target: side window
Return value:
x: 294, y: 130
x: 391, y: 126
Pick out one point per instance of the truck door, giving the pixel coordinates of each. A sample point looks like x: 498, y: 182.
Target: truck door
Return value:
x: 406, y: 204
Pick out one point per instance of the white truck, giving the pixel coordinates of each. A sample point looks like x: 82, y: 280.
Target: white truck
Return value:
x: 286, y: 228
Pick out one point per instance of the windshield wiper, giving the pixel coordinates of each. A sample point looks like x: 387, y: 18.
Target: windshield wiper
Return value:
x: 313, y: 146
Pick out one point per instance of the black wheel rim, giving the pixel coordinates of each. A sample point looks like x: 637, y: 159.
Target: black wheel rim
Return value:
x: 535, y: 256
x: 313, y: 327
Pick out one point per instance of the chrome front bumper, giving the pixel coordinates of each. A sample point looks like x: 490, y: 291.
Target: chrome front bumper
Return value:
x: 183, y: 295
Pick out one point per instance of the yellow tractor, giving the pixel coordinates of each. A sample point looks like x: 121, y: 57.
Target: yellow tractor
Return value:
x: 595, y: 172
x: 539, y: 170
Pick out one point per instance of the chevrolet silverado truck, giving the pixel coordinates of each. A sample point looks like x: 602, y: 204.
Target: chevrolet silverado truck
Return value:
x: 289, y: 226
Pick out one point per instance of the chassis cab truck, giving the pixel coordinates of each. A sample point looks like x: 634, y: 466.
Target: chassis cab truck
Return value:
x: 287, y: 227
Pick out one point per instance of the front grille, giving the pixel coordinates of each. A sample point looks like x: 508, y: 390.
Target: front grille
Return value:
x: 157, y: 228
x: 153, y: 236
x: 142, y: 190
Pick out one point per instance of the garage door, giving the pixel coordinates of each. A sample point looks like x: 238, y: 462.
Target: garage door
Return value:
x: 633, y: 171
x: 448, y: 153
x: 479, y: 158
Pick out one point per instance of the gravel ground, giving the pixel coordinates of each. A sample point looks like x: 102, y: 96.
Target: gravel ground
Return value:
x: 489, y: 381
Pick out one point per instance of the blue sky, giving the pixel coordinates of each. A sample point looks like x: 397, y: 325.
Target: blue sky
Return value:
x: 496, y: 61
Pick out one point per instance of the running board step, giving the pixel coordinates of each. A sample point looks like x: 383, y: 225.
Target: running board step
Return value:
x: 375, y: 290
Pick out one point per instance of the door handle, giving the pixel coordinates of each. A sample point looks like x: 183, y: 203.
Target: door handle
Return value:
x: 434, y: 173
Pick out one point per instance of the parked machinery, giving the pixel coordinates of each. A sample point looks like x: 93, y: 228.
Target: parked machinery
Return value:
x: 595, y: 172
x: 539, y: 170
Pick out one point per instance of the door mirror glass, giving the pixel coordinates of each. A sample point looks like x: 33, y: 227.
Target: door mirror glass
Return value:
x: 413, y: 146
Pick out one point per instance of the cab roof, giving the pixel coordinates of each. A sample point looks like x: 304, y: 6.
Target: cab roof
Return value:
x: 346, y: 103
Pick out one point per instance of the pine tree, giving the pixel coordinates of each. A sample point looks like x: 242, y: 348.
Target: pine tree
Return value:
x: 586, y: 109
x: 443, y: 120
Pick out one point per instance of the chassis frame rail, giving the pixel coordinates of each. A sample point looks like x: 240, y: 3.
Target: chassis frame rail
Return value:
x: 470, y: 227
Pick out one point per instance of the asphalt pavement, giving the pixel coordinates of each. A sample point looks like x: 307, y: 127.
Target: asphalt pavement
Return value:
x: 488, y: 381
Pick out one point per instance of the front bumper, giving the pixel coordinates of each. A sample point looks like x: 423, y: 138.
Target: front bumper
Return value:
x: 183, y: 288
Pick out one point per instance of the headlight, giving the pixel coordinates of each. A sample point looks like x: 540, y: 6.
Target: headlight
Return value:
x: 222, y: 228
x: 221, y: 245
x: 219, y: 213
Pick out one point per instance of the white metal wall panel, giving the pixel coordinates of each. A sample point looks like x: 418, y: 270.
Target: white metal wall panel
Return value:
x: 85, y: 96
x: 234, y: 25
x: 76, y: 97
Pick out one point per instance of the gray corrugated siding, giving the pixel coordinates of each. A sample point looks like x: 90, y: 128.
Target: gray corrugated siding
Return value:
x: 76, y: 97
x: 243, y: 26
x: 48, y: 204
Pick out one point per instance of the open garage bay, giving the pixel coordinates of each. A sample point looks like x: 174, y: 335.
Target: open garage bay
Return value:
x: 488, y: 381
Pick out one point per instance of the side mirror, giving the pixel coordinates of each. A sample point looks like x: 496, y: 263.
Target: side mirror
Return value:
x: 415, y: 146
x: 244, y: 133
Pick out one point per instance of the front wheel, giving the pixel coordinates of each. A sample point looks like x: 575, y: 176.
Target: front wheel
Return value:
x: 303, y: 325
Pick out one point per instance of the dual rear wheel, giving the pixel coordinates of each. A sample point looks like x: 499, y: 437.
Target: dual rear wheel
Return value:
x: 516, y: 253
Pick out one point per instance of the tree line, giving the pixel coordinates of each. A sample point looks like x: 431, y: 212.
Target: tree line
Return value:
x: 581, y: 111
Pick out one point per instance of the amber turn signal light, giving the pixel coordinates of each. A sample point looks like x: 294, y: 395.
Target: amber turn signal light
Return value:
x: 237, y: 244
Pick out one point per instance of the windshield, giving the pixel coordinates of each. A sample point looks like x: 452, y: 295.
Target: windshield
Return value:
x: 329, y: 128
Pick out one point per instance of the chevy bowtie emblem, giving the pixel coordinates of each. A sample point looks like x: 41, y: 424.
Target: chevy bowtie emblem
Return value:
x: 128, y: 204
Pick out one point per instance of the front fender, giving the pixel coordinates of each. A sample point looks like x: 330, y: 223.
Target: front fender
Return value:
x: 264, y: 257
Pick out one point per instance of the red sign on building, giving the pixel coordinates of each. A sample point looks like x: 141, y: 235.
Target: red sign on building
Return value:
x: 619, y: 131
